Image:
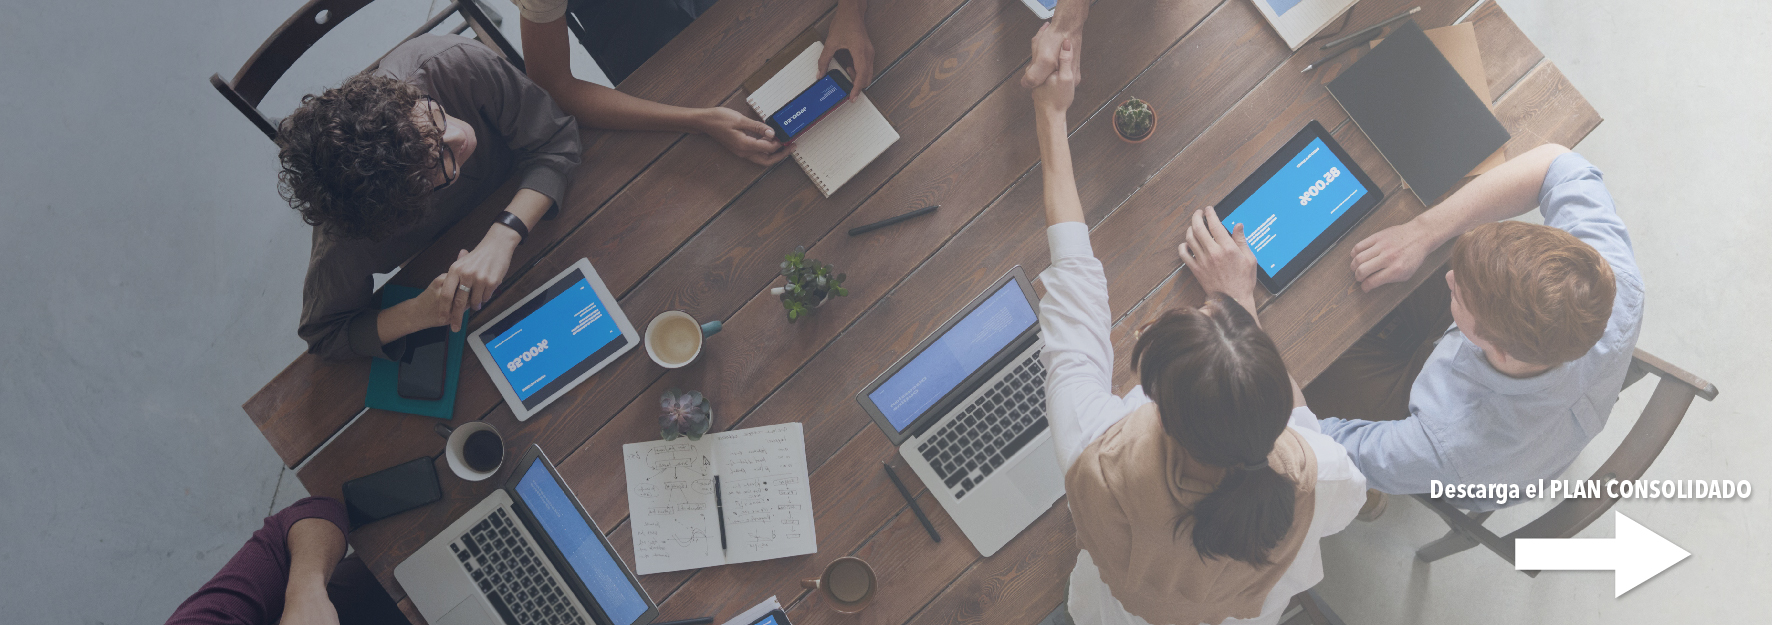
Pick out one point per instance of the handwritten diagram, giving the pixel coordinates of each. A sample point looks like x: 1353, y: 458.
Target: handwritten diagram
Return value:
x: 764, y: 499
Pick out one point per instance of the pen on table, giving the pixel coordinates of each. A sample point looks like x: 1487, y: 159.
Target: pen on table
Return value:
x: 1340, y: 52
x: 892, y: 220
x: 1368, y: 30
x: 691, y: 621
x: 720, y: 512
x: 915, y: 509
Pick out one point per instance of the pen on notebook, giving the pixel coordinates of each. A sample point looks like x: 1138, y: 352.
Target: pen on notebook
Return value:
x: 1369, y: 29
x: 720, y: 512
x: 915, y: 509
x: 705, y: 620
x: 892, y: 220
x: 1337, y: 53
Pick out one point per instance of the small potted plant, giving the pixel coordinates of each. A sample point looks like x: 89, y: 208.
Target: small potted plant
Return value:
x: 685, y: 414
x: 1134, y: 120
x: 810, y: 284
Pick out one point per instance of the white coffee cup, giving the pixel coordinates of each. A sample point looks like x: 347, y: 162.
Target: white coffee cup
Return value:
x: 673, y: 338
x: 457, y: 441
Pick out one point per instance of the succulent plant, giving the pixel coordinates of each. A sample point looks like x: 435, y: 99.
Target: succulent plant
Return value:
x: 1134, y: 118
x: 685, y: 414
x: 809, y: 282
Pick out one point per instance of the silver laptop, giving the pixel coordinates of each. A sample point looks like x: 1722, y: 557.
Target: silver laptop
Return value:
x: 967, y: 410
x: 527, y: 554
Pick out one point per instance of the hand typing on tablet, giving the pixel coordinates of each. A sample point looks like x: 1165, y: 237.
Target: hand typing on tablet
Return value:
x: 1221, y: 260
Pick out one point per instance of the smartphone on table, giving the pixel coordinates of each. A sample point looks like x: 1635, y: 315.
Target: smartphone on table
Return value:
x: 423, y: 373
x: 392, y: 491
x: 810, y: 106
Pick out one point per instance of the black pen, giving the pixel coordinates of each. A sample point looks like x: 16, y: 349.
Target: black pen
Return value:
x: 720, y: 512
x: 1340, y: 52
x: 1371, y: 29
x: 692, y: 621
x: 911, y: 500
x: 892, y: 220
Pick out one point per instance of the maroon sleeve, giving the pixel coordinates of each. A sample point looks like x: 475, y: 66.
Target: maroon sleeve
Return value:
x: 249, y: 589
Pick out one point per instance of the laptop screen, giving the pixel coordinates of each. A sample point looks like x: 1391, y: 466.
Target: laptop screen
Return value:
x: 965, y: 347
x: 578, y: 542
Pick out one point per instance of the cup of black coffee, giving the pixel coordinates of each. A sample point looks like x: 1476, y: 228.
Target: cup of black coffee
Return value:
x: 474, y: 451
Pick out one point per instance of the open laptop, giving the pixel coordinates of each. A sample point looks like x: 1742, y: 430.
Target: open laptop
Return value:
x: 967, y: 410
x: 527, y: 554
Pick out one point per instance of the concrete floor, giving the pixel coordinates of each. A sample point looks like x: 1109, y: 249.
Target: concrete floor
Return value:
x: 156, y: 278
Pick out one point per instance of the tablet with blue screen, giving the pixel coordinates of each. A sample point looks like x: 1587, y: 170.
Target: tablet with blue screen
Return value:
x: 553, y: 339
x: 1298, y: 204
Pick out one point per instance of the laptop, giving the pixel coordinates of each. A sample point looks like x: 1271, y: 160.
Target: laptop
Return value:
x: 967, y: 410
x: 527, y: 554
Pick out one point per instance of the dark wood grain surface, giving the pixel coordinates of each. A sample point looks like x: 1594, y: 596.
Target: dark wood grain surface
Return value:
x: 675, y: 222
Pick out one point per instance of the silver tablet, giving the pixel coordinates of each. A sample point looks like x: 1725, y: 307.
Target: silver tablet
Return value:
x: 1042, y: 8
x: 553, y: 339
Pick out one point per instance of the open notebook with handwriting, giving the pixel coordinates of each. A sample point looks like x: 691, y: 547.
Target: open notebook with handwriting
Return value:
x: 731, y: 497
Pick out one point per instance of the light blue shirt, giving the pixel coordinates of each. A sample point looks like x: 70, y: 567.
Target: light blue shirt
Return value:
x: 1470, y: 424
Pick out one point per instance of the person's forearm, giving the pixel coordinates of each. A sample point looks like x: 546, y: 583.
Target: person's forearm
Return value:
x: 856, y: 8
x: 548, y: 62
x: 1069, y: 16
x: 528, y: 205
x: 315, y: 547
x: 397, y: 321
x: 1509, y: 190
x: 1062, y: 203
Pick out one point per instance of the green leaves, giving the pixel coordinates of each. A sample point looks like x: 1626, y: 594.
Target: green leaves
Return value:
x: 1134, y: 118
x: 809, y: 283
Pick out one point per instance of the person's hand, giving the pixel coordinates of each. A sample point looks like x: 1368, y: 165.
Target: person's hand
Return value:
x: 308, y: 605
x: 1220, y: 260
x: 1047, y: 43
x: 441, y: 304
x: 750, y: 139
x: 848, y: 32
x: 1391, y: 255
x: 482, y: 269
x: 1053, y: 95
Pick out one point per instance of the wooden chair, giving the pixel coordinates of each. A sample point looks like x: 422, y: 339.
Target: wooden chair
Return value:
x: 1315, y: 610
x: 313, y: 21
x: 1673, y: 394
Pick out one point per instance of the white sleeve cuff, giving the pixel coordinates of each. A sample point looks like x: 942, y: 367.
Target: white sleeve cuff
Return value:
x: 1068, y: 239
x: 1303, y: 419
x: 541, y: 11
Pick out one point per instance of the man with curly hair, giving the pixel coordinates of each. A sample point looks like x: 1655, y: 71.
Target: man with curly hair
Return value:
x: 386, y: 162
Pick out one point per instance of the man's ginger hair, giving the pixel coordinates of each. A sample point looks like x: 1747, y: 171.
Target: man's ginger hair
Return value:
x: 1537, y: 293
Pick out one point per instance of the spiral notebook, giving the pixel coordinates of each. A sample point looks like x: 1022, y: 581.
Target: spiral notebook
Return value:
x: 841, y: 144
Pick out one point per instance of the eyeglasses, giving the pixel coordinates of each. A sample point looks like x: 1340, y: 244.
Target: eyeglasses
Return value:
x: 445, y: 156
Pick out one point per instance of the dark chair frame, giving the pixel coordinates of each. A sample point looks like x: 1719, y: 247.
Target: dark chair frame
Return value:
x: 1666, y: 408
x: 318, y: 17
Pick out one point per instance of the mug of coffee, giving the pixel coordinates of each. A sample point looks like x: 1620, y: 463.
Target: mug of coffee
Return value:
x: 673, y: 339
x: 848, y: 583
x: 474, y: 451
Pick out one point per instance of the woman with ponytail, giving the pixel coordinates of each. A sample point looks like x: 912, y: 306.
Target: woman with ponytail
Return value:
x: 1200, y: 496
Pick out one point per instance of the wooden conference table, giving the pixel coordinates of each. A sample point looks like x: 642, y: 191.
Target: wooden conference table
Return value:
x: 676, y: 222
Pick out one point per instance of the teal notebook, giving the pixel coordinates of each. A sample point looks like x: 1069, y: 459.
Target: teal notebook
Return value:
x: 384, y: 374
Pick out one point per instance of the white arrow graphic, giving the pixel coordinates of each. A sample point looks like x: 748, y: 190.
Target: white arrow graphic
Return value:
x: 1636, y: 555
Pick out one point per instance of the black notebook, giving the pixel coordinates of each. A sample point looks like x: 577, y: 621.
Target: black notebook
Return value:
x: 1422, y: 116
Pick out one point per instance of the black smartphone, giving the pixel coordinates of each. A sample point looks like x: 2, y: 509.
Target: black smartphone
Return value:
x: 392, y: 491
x: 810, y: 106
x: 423, y: 371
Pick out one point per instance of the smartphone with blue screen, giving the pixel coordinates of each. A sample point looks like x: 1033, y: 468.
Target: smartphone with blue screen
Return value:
x: 810, y: 106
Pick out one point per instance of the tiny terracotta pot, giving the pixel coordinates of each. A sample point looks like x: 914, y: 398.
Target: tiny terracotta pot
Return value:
x: 1147, y: 133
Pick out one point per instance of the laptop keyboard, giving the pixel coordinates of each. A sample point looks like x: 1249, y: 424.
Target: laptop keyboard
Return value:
x: 991, y: 429
x: 507, y: 569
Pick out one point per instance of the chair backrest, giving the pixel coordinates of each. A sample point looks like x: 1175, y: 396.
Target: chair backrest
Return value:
x: 1666, y: 408
x: 318, y: 17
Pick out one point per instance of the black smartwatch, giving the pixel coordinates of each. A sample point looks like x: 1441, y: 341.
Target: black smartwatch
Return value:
x: 512, y: 222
